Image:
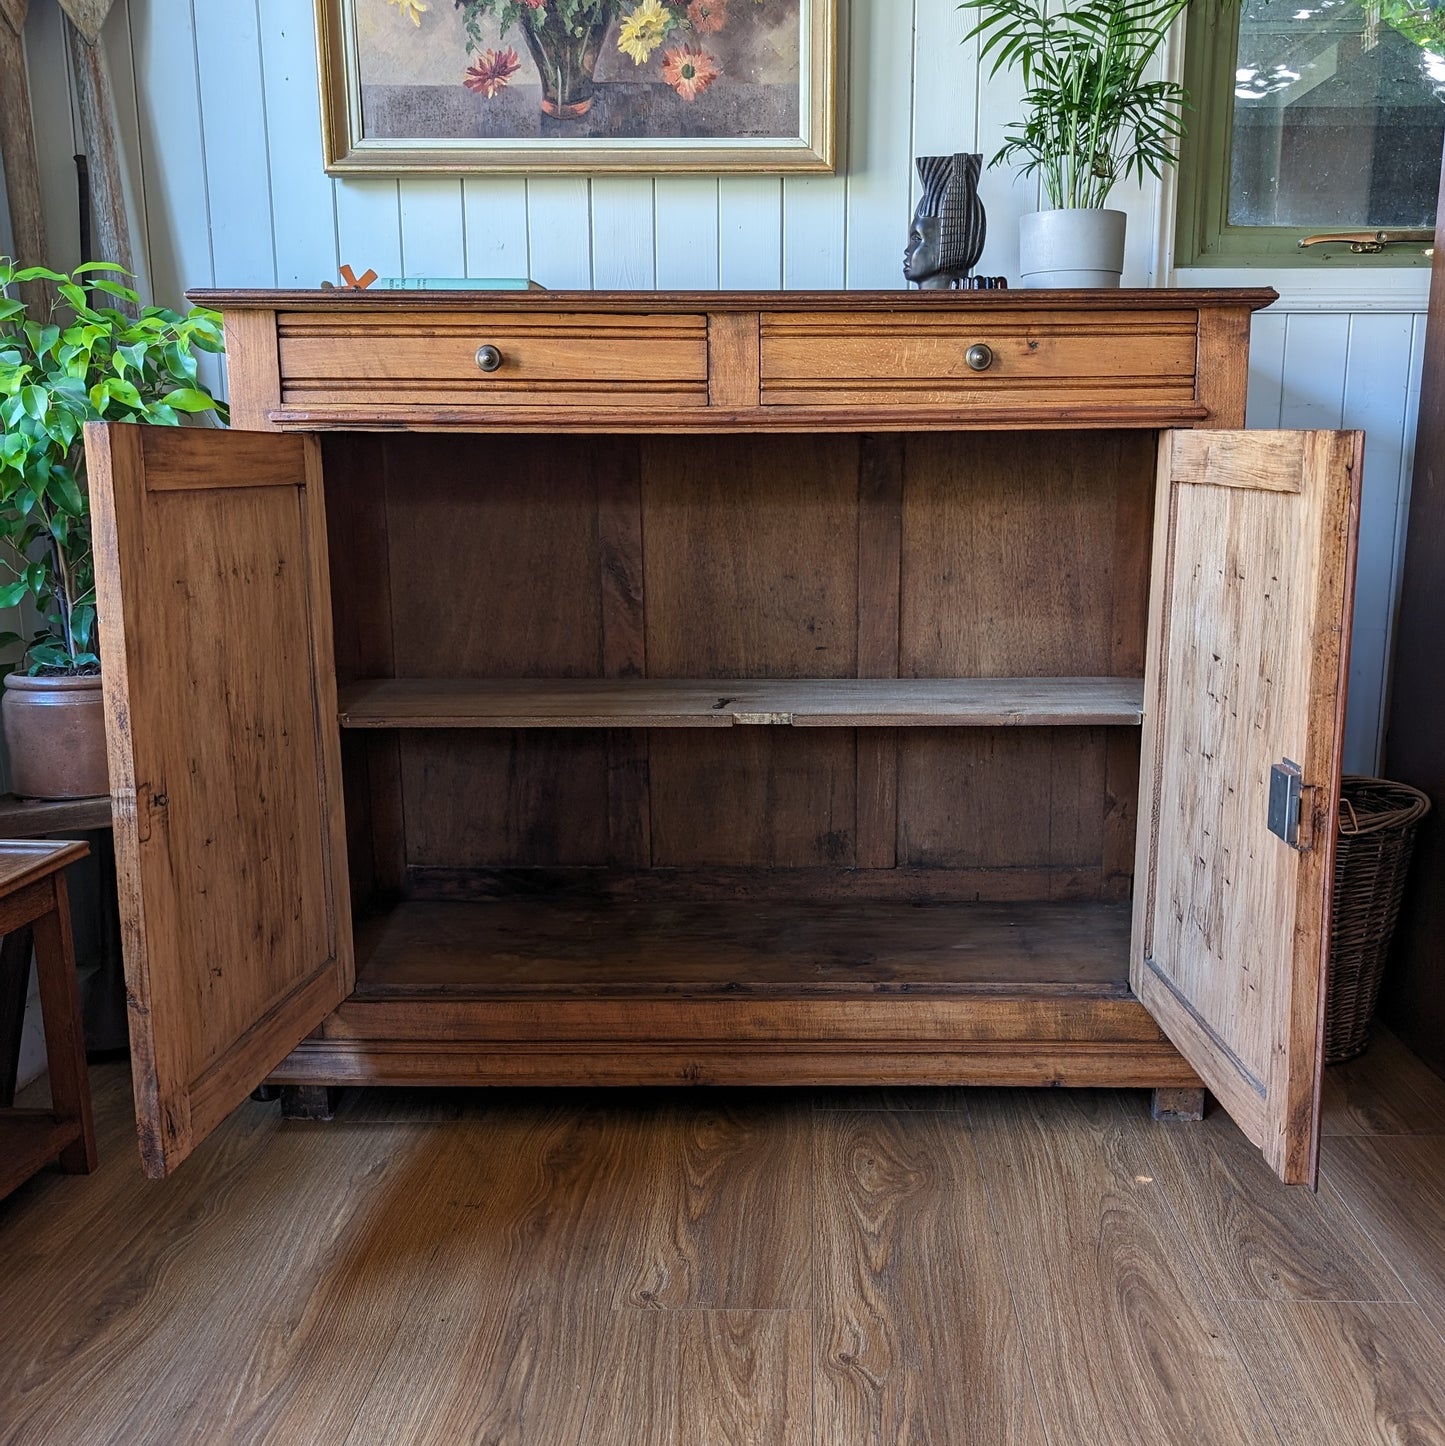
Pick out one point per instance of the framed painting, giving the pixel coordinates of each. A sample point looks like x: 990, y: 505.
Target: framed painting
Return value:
x: 577, y: 85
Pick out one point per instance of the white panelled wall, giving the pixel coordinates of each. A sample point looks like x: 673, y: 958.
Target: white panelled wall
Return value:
x: 220, y: 132
x: 1318, y: 368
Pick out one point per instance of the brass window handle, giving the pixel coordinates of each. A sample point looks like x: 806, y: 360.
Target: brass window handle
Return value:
x: 1370, y: 243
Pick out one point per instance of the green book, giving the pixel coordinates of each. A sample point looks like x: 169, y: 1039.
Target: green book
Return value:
x: 455, y: 283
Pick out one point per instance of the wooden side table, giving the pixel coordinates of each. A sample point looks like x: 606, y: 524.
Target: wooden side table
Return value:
x: 35, y: 911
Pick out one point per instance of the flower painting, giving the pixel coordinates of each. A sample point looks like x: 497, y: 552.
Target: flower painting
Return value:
x: 578, y: 85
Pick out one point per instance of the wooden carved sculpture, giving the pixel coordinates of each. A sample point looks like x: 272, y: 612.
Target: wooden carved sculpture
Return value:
x: 948, y: 229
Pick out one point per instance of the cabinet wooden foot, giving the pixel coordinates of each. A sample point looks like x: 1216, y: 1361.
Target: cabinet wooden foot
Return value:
x: 1178, y: 1107
x: 308, y: 1102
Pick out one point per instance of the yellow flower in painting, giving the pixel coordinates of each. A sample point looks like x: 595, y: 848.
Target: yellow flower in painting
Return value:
x: 643, y: 31
x: 410, y: 9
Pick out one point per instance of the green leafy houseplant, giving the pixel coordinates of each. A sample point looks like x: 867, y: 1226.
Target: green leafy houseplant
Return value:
x: 83, y: 363
x: 1091, y: 118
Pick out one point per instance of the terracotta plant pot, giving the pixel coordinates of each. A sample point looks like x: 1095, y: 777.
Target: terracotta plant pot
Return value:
x: 55, y: 735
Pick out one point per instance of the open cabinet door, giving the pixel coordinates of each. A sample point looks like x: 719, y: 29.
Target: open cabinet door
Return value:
x: 1244, y: 699
x: 220, y: 703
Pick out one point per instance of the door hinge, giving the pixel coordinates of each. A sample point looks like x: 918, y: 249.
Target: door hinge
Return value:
x: 1286, y: 788
x: 150, y: 803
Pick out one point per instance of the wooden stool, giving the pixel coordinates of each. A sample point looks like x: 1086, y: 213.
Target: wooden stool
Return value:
x: 34, y: 910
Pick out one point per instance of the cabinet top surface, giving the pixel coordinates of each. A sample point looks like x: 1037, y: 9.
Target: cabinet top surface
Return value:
x: 1146, y: 299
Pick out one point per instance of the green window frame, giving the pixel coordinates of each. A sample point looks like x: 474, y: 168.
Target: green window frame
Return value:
x: 1203, y: 233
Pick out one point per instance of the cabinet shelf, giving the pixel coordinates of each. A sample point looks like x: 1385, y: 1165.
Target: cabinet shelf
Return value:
x: 585, y: 947
x: 723, y: 703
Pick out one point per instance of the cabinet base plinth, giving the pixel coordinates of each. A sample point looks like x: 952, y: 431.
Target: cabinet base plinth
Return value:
x: 350, y: 1062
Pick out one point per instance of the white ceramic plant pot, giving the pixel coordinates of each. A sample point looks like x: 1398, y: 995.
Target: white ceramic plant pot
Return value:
x: 1080, y: 247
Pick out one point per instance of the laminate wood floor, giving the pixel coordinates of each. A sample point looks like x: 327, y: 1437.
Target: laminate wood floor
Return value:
x: 946, y: 1268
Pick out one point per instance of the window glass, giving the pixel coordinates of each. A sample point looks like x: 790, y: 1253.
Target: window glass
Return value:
x: 1339, y: 114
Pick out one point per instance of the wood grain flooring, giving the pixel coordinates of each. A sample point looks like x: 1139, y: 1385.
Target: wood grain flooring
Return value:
x: 724, y: 1268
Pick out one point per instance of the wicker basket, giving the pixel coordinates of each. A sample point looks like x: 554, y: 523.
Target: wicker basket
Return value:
x: 1372, y: 857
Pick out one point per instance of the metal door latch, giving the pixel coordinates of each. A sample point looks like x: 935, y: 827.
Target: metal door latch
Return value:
x: 1371, y: 243
x: 1286, y: 786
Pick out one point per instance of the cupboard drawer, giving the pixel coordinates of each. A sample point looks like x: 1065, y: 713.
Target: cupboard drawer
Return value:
x: 536, y: 359
x: 1079, y: 362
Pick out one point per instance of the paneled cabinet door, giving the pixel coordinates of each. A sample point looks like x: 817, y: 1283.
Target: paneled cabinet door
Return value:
x: 220, y: 701
x: 1254, y: 554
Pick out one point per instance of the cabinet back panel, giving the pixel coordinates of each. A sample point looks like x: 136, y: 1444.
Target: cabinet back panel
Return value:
x: 518, y: 799
x: 765, y: 797
x: 968, y: 554
x: 1059, y: 801
x: 1026, y: 555
x: 750, y: 557
x: 494, y: 556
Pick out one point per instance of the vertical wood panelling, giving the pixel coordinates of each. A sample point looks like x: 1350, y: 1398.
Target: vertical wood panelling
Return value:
x: 815, y: 208
x: 495, y: 210
x: 1006, y: 195
x: 686, y: 237
x: 945, y: 80
x: 1266, y: 369
x: 1377, y: 375
x: 814, y: 232
x: 1139, y: 204
x: 559, y: 228
x: 1142, y: 200
x: 623, y: 228
x: 171, y: 124
x: 433, y: 231
x: 1312, y: 394
x: 368, y: 226
x: 880, y: 138
x: 1360, y: 370
x: 233, y: 101
x: 301, y: 192
x: 750, y: 233
x: 1316, y: 347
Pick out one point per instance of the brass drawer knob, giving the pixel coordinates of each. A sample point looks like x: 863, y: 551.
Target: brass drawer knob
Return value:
x: 979, y: 356
x: 489, y: 358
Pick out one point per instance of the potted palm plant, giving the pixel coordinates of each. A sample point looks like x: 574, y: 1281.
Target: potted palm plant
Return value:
x: 82, y: 363
x: 1091, y: 119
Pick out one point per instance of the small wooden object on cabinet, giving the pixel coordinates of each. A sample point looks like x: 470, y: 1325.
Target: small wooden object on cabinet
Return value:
x: 746, y: 689
x: 34, y: 912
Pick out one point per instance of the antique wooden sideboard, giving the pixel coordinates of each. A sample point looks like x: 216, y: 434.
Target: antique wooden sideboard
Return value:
x: 727, y: 688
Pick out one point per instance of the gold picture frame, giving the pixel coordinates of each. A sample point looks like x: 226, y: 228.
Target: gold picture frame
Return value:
x: 647, y: 86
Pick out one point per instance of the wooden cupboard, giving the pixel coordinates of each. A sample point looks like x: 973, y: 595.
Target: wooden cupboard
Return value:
x: 727, y: 688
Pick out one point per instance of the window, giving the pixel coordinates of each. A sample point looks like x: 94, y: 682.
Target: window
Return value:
x: 1309, y: 116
